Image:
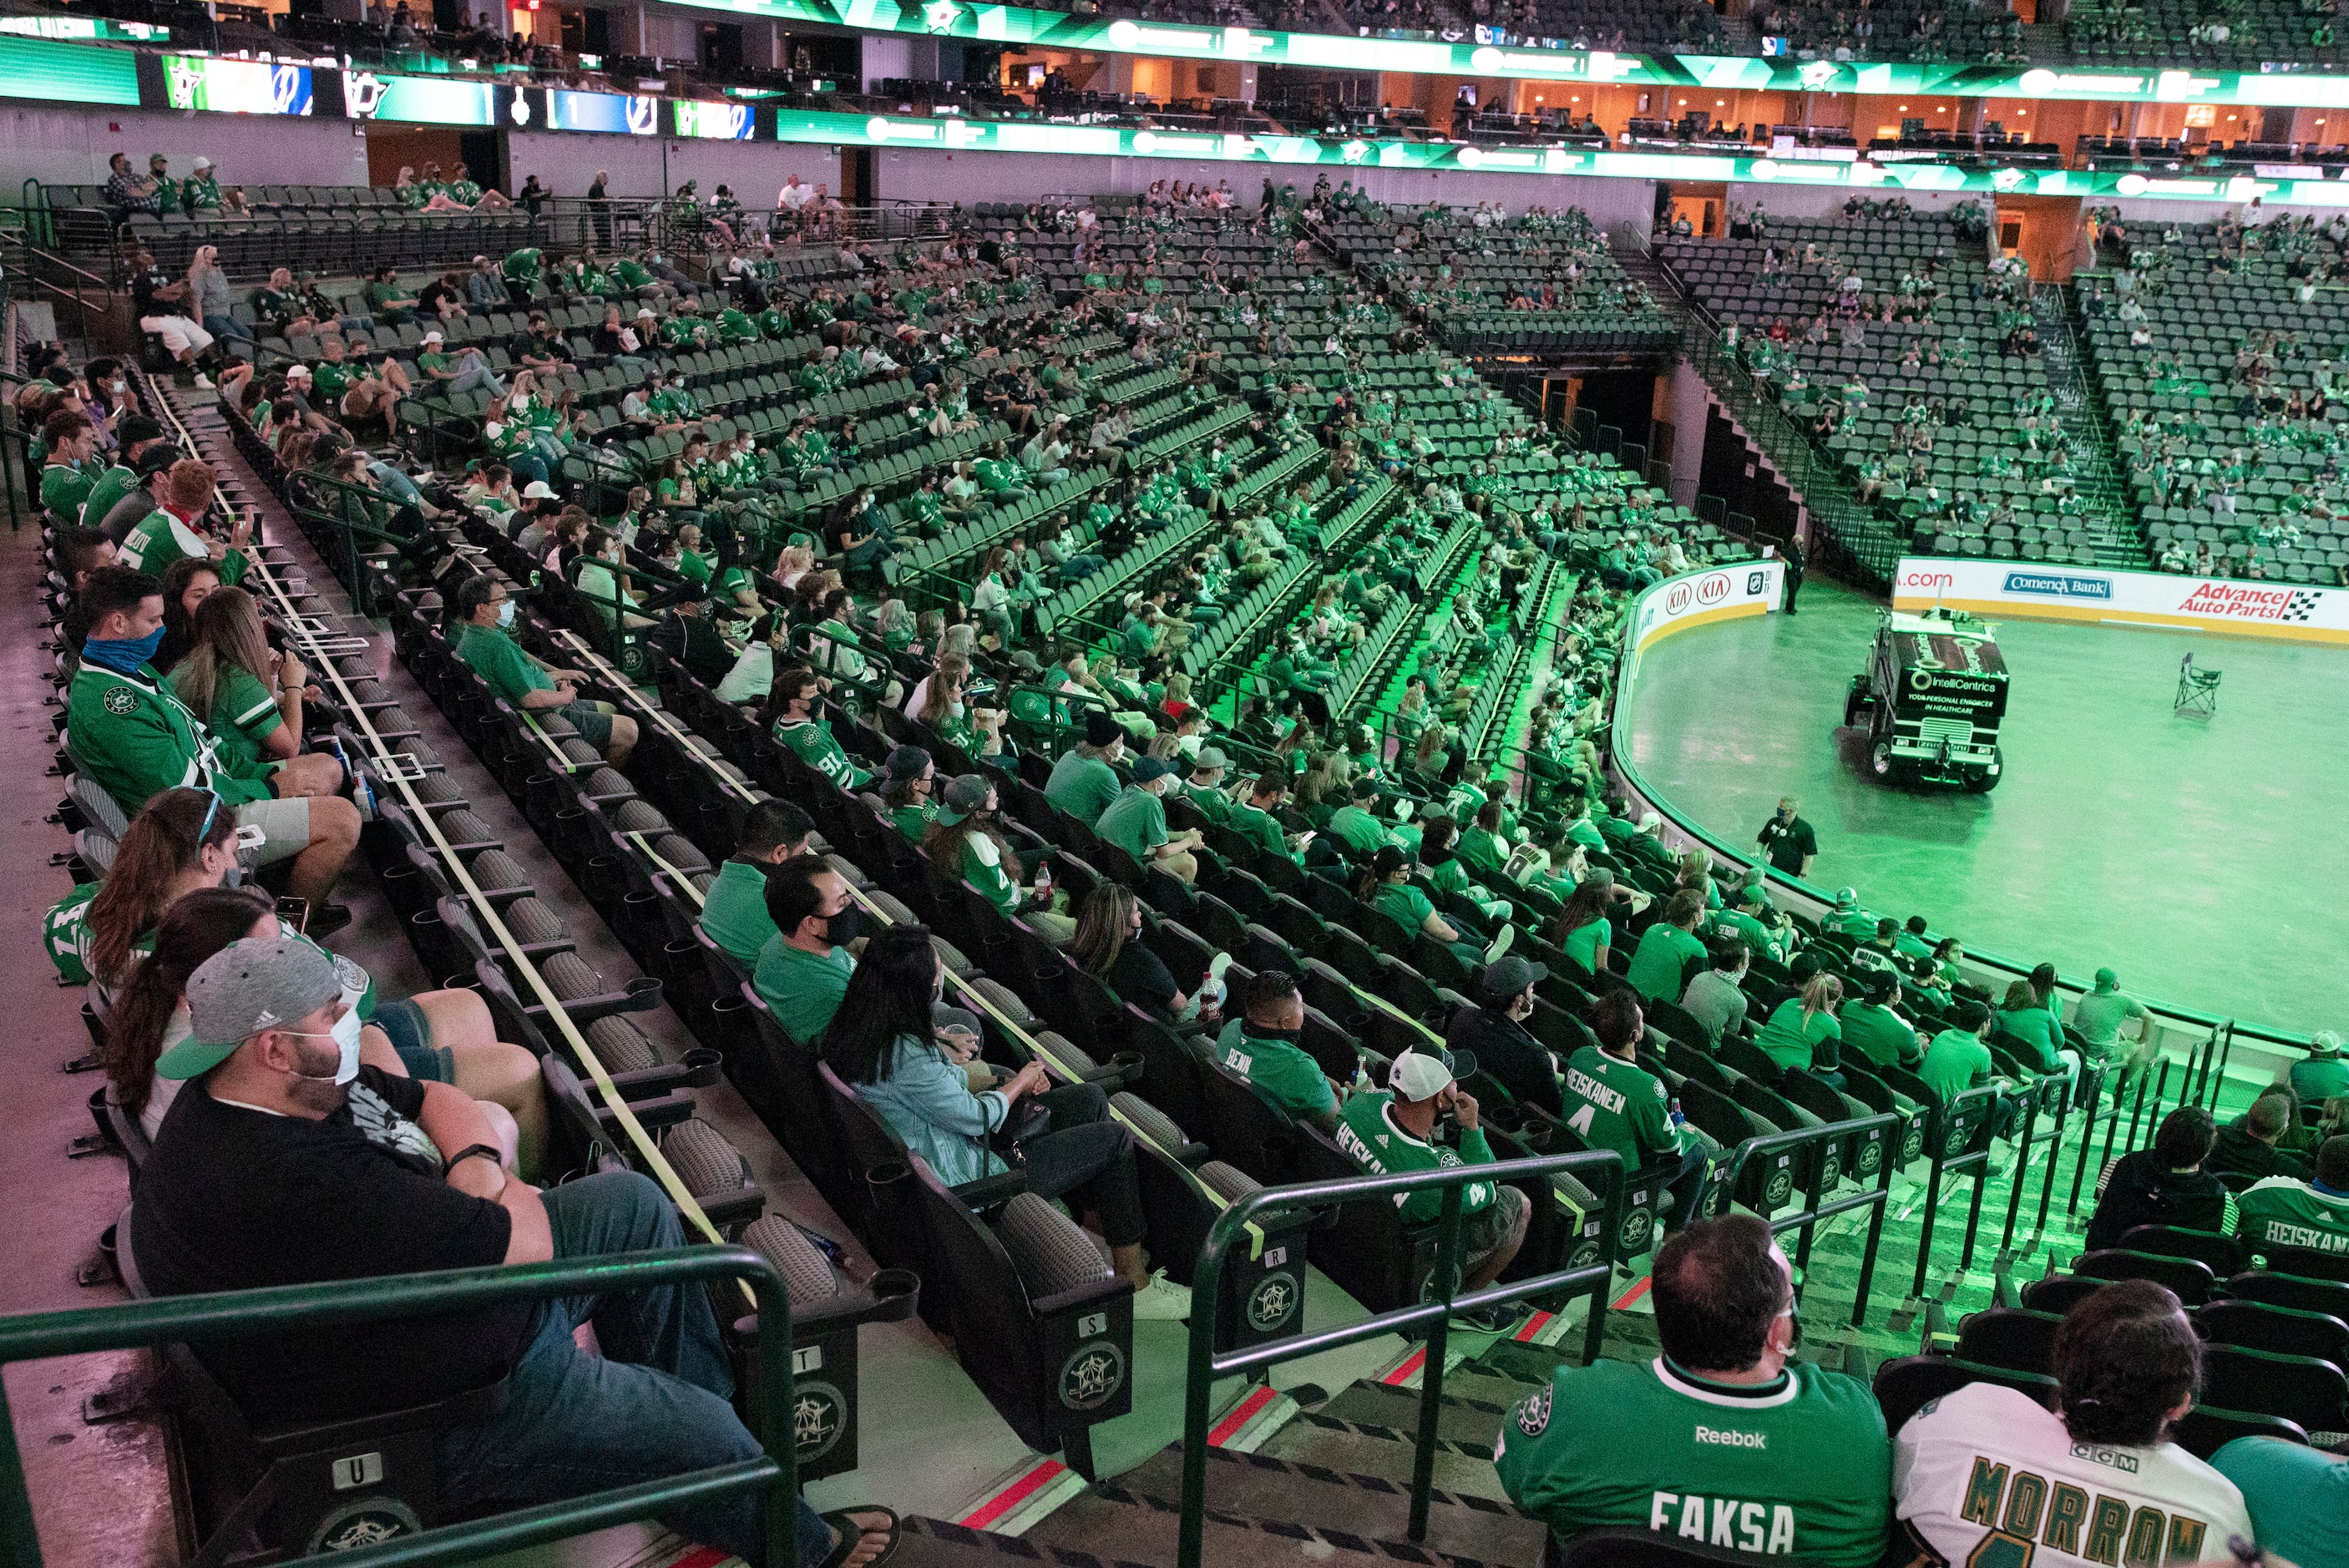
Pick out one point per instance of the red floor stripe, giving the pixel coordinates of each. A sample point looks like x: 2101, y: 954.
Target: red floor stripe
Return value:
x: 1011, y: 1496
x: 1411, y: 1364
x: 1635, y: 1293
x: 1241, y: 1414
x: 703, y: 1557
x: 1534, y: 1326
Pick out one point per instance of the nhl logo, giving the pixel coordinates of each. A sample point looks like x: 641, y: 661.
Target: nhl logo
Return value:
x: 1273, y: 1303
x: 1092, y: 1374
x: 819, y: 1415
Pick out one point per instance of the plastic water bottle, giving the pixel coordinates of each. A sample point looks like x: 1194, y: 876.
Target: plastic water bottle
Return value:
x: 1678, y: 1120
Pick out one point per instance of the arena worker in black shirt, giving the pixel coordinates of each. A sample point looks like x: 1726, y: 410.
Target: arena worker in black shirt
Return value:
x: 286, y: 1161
x: 1788, y: 840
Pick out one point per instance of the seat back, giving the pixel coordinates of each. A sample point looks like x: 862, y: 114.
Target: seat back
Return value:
x: 2302, y: 1389
x: 2258, y: 1325
x: 2206, y: 1429
x: 1905, y: 1386
x: 2189, y: 1279
x: 2328, y: 1296
x: 2059, y: 1293
x: 2223, y: 1254
x: 2015, y: 1339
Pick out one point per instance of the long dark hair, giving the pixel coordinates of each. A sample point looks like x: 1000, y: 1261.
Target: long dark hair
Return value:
x: 1384, y: 864
x: 1103, y: 926
x: 159, y: 845
x: 888, y: 996
x: 1590, y: 902
x: 196, y: 927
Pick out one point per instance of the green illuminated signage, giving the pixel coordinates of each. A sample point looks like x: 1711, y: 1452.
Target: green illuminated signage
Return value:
x: 67, y: 73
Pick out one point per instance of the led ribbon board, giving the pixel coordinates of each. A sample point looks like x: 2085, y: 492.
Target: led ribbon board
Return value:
x: 235, y: 87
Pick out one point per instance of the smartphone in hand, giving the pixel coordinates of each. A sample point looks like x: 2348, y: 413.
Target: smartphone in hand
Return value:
x: 295, y: 913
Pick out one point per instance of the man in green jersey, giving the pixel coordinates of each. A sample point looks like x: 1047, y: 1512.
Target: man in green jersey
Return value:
x: 1723, y: 1440
x: 734, y: 911
x: 1084, y: 781
x: 1612, y: 1102
x: 2323, y: 1074
x: 1253, y: 818
x: 1136, y: 822
x: 1873, y: 1031
x: 2281, y: 1211
x: 526, y: 683
x: 72, y: 471
x: 1668, y: 948
x: 1268, y: 1056
x: 1355, y: 824
x: 795, y: 697
x: 803, y: 969
x: 1392, y: 1130
x: 1204, y: 789
x: 2100, y: 1017
x: 1957, y: 1060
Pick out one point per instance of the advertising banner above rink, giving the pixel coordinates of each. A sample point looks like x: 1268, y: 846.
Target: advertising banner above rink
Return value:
x: 2024, y: 590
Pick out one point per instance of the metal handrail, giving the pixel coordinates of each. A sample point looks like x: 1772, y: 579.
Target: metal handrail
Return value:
x: 249, y: 1313
x: 1627, y: 770
x: 1243, y: 1219
x: 1807, y: 1219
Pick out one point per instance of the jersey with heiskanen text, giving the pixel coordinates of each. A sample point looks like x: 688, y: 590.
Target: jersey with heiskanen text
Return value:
x: 1987, y: 1476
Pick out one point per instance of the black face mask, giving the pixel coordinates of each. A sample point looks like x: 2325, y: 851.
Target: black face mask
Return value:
x: 1258, y: 1032
x: 846, y: 927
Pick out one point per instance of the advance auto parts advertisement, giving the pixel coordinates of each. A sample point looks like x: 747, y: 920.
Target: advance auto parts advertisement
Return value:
x: 2230, y: 607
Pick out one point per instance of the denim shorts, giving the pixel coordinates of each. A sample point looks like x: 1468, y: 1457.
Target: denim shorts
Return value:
x: 403, y: 1023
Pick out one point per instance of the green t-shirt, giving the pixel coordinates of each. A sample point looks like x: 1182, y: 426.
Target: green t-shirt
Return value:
x: 1408, y: 905
x: 1256, y: 827
x: 64, y: 488
x: 1878, y: 1033
x: 499, y: 660
x: 1792, y: 1039
x: 1583, y: 943
x: 1752, y: 932
x: 1661, y: 957
x: 1800, y: 1468
x: 734, y: 911
x: 243, y: 714
x: 104, y: 491
x: 1619, y: 1105
x: 1357, y: 828
x: 2036, y: 1028
x: 1082, y: 786
x: 802, y: 989
x: 2298, y: 1498
x: 2320, y: 1078
x: 1135, y: 822
x: 1480, y: 848
x: 2098, y: 1016
x: 1952, y: 1063
x: 2279, y: 1212
x: 813, y: 744
x: 914, y: 820
x: 1211, y: 804
x: 1374, y: 1142
x: 1284, y: 1075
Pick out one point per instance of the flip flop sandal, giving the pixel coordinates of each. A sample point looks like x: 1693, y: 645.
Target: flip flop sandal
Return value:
x: 851, y: 1532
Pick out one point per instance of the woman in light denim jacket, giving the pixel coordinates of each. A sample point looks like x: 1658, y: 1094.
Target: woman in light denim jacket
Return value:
x: 882, y: 1044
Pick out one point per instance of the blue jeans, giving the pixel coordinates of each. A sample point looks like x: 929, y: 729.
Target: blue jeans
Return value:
x: 227, y: 326
x: 471, y: 372
x: 654, y: 1404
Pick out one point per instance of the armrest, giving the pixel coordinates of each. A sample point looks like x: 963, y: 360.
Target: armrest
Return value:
x: 1081, y: 1296
x: 992, y: 1192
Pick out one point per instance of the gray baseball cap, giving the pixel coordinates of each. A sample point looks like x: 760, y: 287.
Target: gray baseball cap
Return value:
x: 253, y: 983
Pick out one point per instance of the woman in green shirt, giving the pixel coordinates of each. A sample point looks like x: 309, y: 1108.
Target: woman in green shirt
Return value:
x: 1386, y: 887
x: 906, y: 785
x: 1803, y: 1033
x: 2023, y: 1017
x: 1441, y: 865
x: 249, y: 697
x: 965, y: 841
x: 1583, y: 932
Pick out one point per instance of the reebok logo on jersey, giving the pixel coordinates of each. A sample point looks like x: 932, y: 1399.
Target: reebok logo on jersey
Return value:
x: 1721, y: 1438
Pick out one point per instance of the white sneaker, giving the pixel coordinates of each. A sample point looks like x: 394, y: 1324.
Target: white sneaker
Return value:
x: 1501, y: 943
x: 203, y: 382
x: 1162, y: 1300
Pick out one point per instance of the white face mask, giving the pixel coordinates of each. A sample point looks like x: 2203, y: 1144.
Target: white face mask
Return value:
x: 346, y: 1035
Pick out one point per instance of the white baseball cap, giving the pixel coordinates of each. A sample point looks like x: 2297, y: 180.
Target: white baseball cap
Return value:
x: 538, y: 490
x: 432, y: 337
x: 297, y: 373
x: 1414, y: 1076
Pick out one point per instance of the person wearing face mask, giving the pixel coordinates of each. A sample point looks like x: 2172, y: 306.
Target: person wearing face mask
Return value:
x: 1136, y: 822
x: 908, y: 788
x: 1725, y: 1438
x: 802, y: 971
x: 135, y: 739
x: 482, y: 612
x: 286, y: 1160
x: 1205, y: 789
x: 884, y: 1047
x: 792, y: 703
x: 734, y: 911
x: 1084, y: 779
x: 1267, y: 1054
x: 967, y: 840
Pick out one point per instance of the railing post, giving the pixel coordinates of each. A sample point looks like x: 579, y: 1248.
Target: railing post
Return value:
x: 20, y: 1544
x: 1430, y: 1377
x: 1198, y: 1388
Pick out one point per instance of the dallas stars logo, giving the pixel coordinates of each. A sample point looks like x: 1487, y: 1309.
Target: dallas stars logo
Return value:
x: 939, y: 15
x: 362, y: 93
x: 187, y: 81
x: 1092, y: 1374
x: 1355, y: 150
x: 818, y: 1416
x: 1273, y: 1303
x: 119, y: 700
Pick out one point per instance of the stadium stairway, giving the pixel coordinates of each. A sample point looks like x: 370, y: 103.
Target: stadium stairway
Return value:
x: 2112, y: 524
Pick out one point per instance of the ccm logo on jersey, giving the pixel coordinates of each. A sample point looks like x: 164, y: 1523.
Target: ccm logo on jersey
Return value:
x: 1757, y: 1527
x: 1732, y: 1439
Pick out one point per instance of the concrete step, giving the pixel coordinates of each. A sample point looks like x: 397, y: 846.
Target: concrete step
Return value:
x: 1328, y: 1442
x: 1461, y: 1419
x: 1338, y: 1507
